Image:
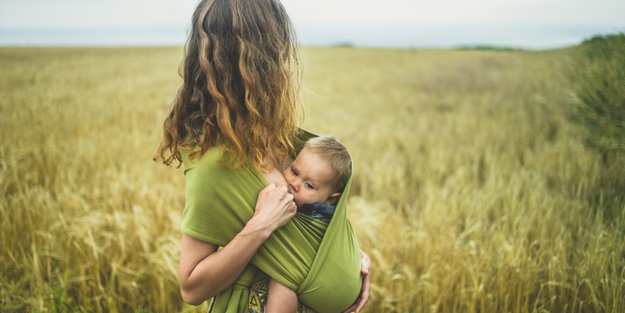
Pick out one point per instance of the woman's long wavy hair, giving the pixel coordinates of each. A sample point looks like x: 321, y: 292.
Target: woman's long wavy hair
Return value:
x: 241, y: 76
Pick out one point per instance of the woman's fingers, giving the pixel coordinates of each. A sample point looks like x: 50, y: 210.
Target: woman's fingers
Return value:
x: 268, y: 188
x: 365, y: 263
x: 276, y: 205
x: 365, y: 270
x: 364, y: 293
x: 272, y: 195
x: 289, y: 206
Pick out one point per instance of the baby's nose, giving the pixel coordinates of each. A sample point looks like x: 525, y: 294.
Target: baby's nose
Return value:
x: 293, y: 184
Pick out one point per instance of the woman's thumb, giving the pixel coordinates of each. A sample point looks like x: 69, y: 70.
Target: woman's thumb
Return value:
x: 269, y: 187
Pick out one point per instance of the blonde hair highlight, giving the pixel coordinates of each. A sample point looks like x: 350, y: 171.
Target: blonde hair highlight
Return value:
x: 241, y: 75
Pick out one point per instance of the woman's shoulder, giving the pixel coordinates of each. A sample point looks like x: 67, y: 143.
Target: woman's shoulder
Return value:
x: 210, y: 168
x: 195, y: 157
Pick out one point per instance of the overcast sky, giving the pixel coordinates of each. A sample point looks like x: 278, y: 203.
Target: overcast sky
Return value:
x: 403, y: 23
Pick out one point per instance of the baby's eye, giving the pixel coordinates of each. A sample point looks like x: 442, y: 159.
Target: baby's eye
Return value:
x: 309, y: 185
x: 293, y: 171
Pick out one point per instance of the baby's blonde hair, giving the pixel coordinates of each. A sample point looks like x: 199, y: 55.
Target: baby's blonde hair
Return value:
x: 336, y: 154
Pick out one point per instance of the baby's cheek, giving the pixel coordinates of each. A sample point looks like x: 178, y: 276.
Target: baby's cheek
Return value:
x: 287, y: 172
x: 299, y: 201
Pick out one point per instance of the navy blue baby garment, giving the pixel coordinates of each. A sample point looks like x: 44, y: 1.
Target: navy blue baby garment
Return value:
x: 320, y: 211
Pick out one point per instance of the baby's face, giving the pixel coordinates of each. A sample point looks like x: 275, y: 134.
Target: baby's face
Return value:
x: 310, y: 178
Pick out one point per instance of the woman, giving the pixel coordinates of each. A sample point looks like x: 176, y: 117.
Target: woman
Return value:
x: 233, y: 126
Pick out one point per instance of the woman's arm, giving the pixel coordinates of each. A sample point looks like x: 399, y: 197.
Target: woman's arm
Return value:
x: 205, y: 272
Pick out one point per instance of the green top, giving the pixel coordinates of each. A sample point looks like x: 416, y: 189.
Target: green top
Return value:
x: 324, y: 270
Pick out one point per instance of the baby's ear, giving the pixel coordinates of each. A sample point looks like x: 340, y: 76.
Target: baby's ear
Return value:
x: 334, y: 198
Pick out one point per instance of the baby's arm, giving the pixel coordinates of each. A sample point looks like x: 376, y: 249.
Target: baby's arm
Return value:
x: 281, y: 299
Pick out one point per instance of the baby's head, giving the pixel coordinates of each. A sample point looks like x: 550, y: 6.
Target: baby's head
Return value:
x: 320, y: 171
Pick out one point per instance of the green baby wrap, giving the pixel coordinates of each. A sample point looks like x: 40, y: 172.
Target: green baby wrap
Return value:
x: 324, y: 270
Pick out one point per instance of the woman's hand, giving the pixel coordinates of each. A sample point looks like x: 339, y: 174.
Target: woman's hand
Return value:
x: 274, y: 208
x: 206, y: 271
x: 363, y: 297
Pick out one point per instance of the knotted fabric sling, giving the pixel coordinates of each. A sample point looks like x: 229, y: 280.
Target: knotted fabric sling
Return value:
x: 321, y: 262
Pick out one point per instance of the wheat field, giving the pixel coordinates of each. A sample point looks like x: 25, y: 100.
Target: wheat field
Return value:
x: 473, y: 190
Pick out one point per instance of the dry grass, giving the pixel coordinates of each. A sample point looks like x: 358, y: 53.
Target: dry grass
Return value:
x: 473, y: 192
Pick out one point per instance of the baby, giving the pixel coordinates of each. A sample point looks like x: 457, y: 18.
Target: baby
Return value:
x: 316, y: 178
